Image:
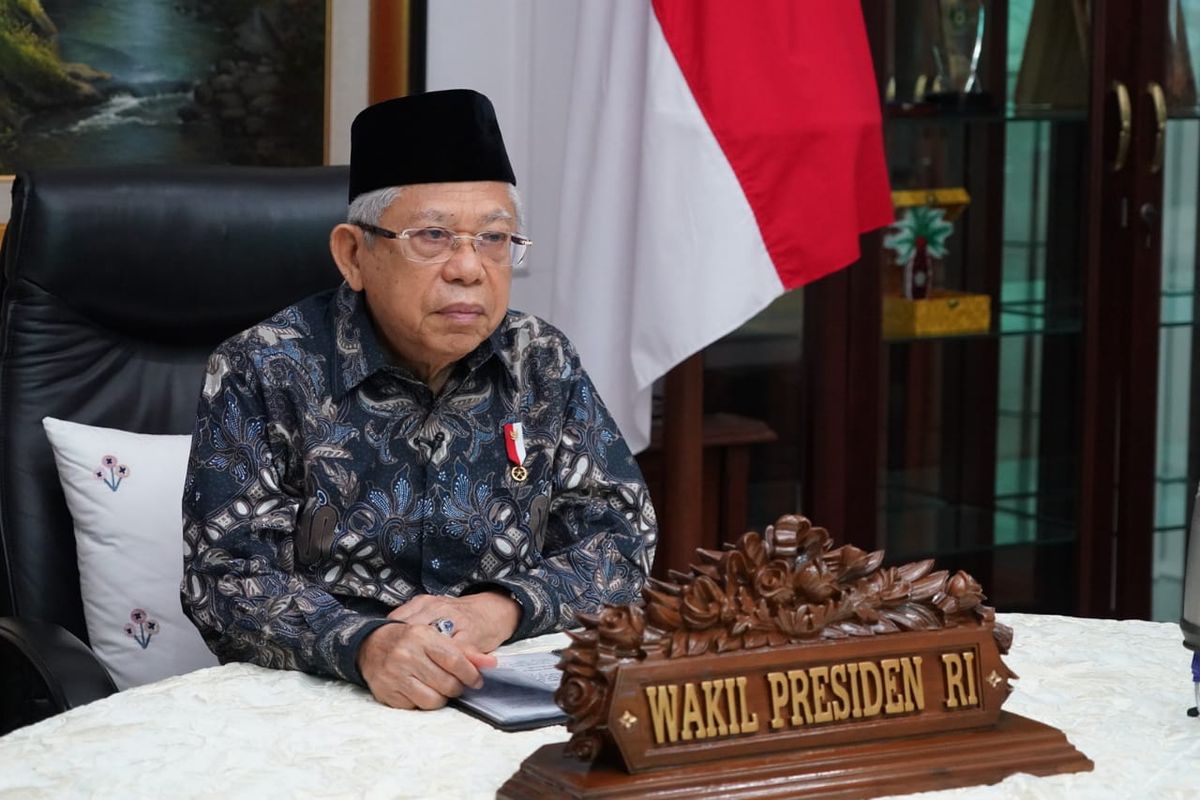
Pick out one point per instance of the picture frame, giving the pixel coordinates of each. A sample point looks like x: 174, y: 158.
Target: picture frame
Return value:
x: 391, y: 64
x: 6, y: 184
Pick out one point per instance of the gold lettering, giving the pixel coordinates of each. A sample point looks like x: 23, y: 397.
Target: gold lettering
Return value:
x: 841, y: 703
x: 956, y: 694
x: 779, y: 698
x: 750, y: 722
x: 891, y: 686
x: 799, y: 682
x: 820, y: 678
x: 972, y: 695
x: 731, y: 702
x: 692, y: 717
x: 712, y: 708
x: 914, y: 684
x: 807, y: 696
x: 856, y: 703
x: 871, y: 706
x: 664, y: 712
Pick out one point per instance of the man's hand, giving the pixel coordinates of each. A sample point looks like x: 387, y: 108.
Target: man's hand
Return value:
x: 414, y: 666
x: 483, y: 621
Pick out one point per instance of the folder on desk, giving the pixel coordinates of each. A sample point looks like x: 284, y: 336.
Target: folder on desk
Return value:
x: 517, y: 694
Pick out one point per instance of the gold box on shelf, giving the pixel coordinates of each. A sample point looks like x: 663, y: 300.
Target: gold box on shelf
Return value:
x: 943, y: 312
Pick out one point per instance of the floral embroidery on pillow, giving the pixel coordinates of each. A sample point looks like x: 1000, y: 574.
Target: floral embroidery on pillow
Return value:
x: 111, y: 473
x: 146, y: 627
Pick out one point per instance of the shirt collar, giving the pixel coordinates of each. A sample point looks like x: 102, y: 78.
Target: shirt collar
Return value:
x: 358, y: 353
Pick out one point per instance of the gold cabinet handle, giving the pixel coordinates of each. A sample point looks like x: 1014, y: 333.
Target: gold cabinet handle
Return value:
x: 1160, y: 124
x: 1125, y: 114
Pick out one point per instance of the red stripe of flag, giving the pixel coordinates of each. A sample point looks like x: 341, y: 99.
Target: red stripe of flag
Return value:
x: 805, y: 143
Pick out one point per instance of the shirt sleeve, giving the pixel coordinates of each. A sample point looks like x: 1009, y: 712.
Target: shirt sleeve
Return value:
x: 601, y: 531
x: 240, y: 584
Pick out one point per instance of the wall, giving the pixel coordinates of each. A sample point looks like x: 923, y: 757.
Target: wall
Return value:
x: 347, y: 73
x: 489, y: 47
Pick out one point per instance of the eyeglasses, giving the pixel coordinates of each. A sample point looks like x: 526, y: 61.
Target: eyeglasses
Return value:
x: 437, y: 245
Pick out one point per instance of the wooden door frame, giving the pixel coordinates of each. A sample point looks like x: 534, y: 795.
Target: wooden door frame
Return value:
x: 1142, y: 290
x: 396, y: 48
x: 1121, y: 320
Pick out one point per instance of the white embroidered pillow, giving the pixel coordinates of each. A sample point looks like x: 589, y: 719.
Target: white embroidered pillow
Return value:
x: 124, y: 491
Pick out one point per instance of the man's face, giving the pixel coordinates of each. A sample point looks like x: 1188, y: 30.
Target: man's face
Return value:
x: 431, y: 315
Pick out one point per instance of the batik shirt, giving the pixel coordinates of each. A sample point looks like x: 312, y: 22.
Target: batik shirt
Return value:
x: 327, y: 486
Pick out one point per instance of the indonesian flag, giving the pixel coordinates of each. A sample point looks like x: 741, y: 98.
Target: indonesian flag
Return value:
x: 718, y: 154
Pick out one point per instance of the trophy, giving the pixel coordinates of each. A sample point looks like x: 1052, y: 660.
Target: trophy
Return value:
x: 957, y: 46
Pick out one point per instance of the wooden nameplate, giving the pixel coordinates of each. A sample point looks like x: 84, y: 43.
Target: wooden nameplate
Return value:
x: 782, y: 667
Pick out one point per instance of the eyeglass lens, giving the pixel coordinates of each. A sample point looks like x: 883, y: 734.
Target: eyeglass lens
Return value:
x: 437, y: 244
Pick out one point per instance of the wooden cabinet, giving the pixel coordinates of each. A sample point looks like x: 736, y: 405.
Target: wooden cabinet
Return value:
x: 1055, y: 455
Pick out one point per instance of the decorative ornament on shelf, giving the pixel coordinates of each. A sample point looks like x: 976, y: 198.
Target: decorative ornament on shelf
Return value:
x: 913, y: 302
x: 919, y: 235
x: 957, y: 54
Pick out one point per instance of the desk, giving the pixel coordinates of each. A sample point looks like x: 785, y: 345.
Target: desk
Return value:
x: 1118, y: 689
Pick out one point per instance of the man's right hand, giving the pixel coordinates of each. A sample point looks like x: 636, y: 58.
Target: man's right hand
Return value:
x: 414, y: 666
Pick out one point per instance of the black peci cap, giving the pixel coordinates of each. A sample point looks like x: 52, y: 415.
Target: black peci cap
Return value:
x: 436, y: 137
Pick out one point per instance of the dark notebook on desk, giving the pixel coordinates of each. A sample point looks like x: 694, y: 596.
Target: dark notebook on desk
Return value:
x: 517, y: 694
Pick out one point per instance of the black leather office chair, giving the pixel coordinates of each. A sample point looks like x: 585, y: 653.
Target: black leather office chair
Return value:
x: 140, y: 271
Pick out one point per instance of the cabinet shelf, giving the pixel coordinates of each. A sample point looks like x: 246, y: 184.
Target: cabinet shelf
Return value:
x: 1014, y: 318
x: 1178, y: 309
x: 918, y: 531
x: 927, y: 115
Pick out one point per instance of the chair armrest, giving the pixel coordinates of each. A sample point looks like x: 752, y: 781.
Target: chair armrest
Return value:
x: 52, y: 672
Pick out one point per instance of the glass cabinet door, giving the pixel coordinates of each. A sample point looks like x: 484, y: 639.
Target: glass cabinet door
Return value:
x: 982, y: 389
x: 1177, y: 439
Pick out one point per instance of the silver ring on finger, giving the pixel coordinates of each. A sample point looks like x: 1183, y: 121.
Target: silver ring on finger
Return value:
x: 443, y: 625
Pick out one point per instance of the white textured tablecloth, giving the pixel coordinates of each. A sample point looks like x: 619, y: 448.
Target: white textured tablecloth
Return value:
x: 1119, y: 691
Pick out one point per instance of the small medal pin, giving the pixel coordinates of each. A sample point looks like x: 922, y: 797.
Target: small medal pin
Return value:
x: 514, y: 443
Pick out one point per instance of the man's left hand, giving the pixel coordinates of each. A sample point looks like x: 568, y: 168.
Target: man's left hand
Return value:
x: 485, y: 620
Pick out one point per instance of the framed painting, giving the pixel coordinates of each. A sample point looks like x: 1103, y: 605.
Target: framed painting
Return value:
x: 259, y: 82
x: 162, y: 82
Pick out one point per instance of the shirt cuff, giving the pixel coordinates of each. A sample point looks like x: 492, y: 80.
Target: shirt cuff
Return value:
x: 347, y: 654
x: 539, y: 611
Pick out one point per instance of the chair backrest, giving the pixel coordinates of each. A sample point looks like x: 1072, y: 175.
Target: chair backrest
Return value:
x: 117, y: 284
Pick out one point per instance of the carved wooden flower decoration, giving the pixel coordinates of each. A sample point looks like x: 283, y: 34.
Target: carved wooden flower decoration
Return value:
x: 702, y: 603
x: 621, y: 627
x: 791, y: 584
x: 582, y: 699
x: 772, y: 583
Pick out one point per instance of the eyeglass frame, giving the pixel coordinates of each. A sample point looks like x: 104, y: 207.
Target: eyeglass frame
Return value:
x: 386, y: 233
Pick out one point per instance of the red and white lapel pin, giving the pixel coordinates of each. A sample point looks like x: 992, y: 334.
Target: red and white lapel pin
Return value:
x: 514, y: 442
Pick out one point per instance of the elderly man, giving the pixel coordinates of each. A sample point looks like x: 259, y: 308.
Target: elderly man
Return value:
x: 391, y: 479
